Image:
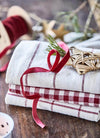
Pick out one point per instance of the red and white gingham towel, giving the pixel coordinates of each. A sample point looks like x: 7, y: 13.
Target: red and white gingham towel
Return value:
x: 85, y: 112
x: 66, y: 96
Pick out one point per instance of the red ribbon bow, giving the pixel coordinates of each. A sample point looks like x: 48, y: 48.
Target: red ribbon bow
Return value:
x: 56, y: 67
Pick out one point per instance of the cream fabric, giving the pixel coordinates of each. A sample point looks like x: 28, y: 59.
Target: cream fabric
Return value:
x: 85, y: 112
x: 67, y: 78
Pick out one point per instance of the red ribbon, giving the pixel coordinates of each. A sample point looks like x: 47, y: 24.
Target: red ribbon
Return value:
x: 4, y: 67
x: 56, y: 67
x: 15, y: 27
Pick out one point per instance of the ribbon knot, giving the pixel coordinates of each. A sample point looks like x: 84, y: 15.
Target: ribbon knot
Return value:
x: 56, y: 67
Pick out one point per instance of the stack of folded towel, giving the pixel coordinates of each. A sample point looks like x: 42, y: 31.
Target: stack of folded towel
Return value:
x: 64, y: 92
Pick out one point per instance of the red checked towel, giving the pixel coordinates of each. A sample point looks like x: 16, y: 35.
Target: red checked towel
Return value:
x: 33, y: 54
x: 85, y: 112
x: 65, y: 96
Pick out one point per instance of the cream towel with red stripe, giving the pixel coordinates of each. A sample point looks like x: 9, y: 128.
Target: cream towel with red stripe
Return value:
x: 85, y: 112
x: 33, y: 54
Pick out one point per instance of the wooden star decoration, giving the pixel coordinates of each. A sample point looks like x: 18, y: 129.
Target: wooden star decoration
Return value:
x: 60, y: 32
x: 47, y: 27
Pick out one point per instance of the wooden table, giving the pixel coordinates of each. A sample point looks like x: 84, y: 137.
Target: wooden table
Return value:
x: 58, y: 125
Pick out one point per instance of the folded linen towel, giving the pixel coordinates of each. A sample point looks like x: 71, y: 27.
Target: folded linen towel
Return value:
x: 65, y: 96
x: 85, y: 112
x: 33, y: 54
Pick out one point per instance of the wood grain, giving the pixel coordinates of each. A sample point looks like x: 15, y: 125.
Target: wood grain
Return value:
x: 57, y: 125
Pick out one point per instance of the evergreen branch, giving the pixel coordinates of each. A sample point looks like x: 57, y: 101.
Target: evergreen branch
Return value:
x: 54, y: 45
x: 70, y: 18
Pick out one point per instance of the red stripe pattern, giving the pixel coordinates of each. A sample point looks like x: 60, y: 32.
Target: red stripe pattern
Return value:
x: 85, y: 112
x: 66, y: 96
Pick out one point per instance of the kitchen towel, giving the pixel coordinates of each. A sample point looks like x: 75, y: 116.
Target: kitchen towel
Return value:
x: 34, y: 54
x: 80, y: 111
x: 65, y: 96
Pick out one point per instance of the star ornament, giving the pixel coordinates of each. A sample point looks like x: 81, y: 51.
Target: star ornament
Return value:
x: 47, y: 28
x: 60, y: 32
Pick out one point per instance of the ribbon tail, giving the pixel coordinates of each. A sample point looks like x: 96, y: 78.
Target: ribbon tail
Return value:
x: 4, y: 68
x: 6, y: 49
x: 34, y: 113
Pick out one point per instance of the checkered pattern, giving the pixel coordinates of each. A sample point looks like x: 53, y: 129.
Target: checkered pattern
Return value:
x: 72, y: 97
x: 85, y: 112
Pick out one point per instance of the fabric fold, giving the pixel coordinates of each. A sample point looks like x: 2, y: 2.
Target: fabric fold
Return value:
x: 35, y: 55
x: 84, y: 112
x: 66, y: 96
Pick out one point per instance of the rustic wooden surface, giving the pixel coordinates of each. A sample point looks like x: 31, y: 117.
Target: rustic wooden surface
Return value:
x: 58, y: 125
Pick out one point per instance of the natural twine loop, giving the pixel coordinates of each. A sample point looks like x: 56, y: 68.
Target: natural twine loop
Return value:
x: 83, y: 61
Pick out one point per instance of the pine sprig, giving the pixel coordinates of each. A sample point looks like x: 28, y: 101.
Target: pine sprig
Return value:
x: 54, y: 45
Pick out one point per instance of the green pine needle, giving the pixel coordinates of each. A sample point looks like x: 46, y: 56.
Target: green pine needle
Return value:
x: 54, y: 45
